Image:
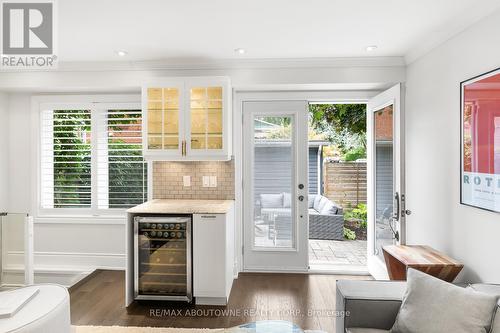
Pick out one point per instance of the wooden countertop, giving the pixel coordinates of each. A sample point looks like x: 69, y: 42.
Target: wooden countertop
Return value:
x: 174, y: 206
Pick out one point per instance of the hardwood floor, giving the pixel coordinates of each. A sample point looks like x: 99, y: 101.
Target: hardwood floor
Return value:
x: 307, y: 300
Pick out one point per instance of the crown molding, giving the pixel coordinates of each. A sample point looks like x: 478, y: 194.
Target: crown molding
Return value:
x: 229, y: 64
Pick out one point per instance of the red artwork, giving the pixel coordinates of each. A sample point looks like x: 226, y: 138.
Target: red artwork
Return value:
x: 481, y: 141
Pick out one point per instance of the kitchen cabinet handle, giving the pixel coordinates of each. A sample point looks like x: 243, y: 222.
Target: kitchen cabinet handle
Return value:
x: 183, y: 147
x: 208, y: 216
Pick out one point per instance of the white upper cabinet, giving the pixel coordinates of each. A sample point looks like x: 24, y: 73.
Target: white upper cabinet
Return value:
x: 187, y: 119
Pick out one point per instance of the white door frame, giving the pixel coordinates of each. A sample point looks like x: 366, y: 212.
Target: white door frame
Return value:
x: 296, y: 257
x: 241, y: 95
x: 391, y: 96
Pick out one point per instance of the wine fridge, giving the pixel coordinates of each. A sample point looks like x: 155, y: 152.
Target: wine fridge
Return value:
x: 162, y: 260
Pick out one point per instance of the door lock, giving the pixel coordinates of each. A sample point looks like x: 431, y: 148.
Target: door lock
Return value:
x: 301, y: 186
x: 407, y: 212
x: 301, y: 198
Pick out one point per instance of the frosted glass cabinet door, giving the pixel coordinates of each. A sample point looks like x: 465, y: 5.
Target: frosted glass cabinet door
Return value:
x: 206, y: 113
x: 187, y: 119
x: 163, y: 119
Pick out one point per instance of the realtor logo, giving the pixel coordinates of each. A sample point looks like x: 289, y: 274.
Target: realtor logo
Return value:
x: 27, y: 34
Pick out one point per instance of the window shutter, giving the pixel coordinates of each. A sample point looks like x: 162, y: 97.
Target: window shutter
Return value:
x: 66, y: 159
x: 122, y: 171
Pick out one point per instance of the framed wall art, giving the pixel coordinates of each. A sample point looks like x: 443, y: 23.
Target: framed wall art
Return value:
x: 480, y: 141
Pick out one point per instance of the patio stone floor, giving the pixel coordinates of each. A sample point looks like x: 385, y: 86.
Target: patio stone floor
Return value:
x: 340, y: 253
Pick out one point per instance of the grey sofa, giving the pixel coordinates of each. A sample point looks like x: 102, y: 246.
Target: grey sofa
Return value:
x: 372, y: 306
x: 326, y: 219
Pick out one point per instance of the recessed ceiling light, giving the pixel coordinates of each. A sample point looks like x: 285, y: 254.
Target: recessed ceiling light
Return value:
x: 371, y: 48
x: 239, y: 50
x: 121, y: 53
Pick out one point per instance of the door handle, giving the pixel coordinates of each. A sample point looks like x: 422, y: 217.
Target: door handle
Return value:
x: 395, y: 215
x: 301, y: 198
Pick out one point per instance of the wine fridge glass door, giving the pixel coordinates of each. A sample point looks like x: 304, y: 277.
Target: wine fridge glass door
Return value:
x: 163, y: 258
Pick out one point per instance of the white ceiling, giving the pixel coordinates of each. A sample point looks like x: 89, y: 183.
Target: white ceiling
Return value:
x: 207, y: 30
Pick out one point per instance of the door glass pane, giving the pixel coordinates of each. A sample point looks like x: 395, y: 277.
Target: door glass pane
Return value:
x: 163, y: 118
x: 384, y: 178
x: 206, y: 118
x: 273, y: 182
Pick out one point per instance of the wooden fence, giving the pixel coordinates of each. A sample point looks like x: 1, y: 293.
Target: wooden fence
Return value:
x: 345, y: 183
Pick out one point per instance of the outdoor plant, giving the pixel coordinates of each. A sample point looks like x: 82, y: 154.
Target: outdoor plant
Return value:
x: 359, y: 213
x: 349, y: 234
x: 355, y: 154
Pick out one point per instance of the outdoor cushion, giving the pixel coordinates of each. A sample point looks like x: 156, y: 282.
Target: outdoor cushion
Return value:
x: 287, y: 200
x: 317, y: 199
x: 310, y: 200
x: 271, y: 200
x: 329, y: 209
x: 365, y: 330
x: 313, y: 211
x: 322, y: 202
x: 431, y: 305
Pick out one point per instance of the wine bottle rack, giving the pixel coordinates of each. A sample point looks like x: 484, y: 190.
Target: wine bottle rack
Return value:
x: 163, y: 258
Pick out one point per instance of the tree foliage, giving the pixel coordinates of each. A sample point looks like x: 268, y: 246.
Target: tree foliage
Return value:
x: 344, y: 125
x: 351, y: 117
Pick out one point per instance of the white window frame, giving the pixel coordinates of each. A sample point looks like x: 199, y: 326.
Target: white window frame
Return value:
x: 99, y: 104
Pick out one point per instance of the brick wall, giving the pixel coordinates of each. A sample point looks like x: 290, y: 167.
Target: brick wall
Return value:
x: 167, y: 180
x: 383, y: 123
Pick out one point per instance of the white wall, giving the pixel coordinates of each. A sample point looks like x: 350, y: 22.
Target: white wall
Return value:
x: 4, y: 150
x: 433, y: 152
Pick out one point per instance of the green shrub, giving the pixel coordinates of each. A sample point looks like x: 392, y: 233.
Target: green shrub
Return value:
x: 355, y: 154
x: 359, y: 213
x: 349, y: 234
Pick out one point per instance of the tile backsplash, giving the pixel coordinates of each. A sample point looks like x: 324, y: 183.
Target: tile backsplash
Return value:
x: 168, y: 182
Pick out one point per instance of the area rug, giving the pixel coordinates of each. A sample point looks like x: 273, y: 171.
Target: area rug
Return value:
x: 120, y: 329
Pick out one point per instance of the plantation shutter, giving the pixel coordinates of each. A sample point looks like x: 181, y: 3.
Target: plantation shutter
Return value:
x: 122, y: 171
x: 91, y: 159
x: 66, y: 159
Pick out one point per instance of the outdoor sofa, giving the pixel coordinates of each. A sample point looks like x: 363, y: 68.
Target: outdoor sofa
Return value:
x: 326, y: 219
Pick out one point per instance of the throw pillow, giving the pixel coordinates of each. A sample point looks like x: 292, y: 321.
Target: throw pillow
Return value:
x: 329, y: 209
x: 310, y: 200
x: 431, y: 305
x: 322, y: 202
x: 317, y: 199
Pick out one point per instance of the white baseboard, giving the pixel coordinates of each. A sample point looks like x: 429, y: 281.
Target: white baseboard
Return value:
x: 65, y: 268
x: 65, y: 277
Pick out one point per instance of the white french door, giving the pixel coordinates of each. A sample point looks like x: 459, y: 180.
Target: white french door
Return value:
x: 386, y: 198
x: 275, y: 186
